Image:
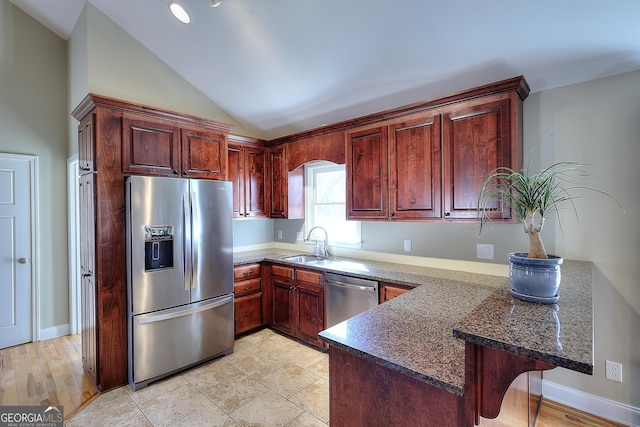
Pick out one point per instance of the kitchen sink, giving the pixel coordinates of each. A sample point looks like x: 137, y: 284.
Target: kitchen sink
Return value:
x: 326, y: 262
x: 304, y: 259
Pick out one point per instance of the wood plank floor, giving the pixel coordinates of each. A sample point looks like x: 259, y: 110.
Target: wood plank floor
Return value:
x: 46, y: 373
x: 50, y: 373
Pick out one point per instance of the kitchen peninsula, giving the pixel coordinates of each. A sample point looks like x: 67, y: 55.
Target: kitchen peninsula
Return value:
x: 446, y: 352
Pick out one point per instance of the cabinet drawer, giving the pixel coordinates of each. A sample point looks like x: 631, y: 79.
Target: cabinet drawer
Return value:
x: 280, y: 271
x: 248, y: 313
x: 246, y: 287
x: 390, y: 292
x: 246, y: 271
x: 312, y: 277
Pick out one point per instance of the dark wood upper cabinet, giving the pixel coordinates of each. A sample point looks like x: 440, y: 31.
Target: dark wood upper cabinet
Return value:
x: 415, y: 161
x: 439, y: 154
x: 204, y: 154
x: 160, y: 147
x: 476, y: 139
x: 366, y: 173
x: 277, y: 161
x: 150, y: 147
x: 247, y: 171
x: 394, y: 170
x: 255, y: 184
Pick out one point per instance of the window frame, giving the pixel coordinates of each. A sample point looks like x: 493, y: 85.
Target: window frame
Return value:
x: 311, y: 170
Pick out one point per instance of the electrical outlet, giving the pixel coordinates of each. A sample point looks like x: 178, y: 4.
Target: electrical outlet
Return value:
x: 299, y: 236
x: 407, y: 245
x: 613, y: 371
x: 279, y: 234
x: 484, y: 251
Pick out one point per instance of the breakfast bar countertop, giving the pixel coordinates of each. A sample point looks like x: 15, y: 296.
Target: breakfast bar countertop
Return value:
x: 422, y: 333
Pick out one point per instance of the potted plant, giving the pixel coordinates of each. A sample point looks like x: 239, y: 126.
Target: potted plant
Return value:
x: 533, y: 198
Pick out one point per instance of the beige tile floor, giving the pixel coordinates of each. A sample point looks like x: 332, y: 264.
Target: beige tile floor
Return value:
x: 269, y: 380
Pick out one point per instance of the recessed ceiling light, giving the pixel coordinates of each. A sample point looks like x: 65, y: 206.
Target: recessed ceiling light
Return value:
x: 179, y: 12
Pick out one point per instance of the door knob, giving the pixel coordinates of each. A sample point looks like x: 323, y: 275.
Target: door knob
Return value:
x: 22, y: 260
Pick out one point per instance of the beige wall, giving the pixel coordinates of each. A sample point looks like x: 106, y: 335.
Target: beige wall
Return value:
x: 33, y: 120
x: 598, y: 122
x: 113, y: 64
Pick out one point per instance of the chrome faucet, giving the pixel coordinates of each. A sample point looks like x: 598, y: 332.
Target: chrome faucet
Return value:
x: 326, y: 241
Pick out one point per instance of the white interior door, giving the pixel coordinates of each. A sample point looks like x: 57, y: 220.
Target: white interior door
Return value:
x: 16, y: 252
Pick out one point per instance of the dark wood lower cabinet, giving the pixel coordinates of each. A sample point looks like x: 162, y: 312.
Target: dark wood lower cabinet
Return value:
x: 502, y: 389
x: 247, y: 289
x: 283, y: 308
x: 248, y: 313
x: 298, y: 303
x: 310, y: 313
x: 363, y: 393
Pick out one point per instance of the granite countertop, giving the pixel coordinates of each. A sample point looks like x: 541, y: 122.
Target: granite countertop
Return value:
x: 422, y: 333
x: 560, y: 334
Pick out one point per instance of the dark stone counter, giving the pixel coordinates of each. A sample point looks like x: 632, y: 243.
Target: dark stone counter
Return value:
x: 422, y: 333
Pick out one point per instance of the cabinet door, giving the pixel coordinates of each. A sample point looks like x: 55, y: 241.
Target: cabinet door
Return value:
x: 278, y: 183
x: 283, y: 306
x: 366, y: 169
x: 86, y: 196
x: 476, y: 140
x: 150, y: 147
x: 415, y: 160
x: 86, y: 144
x: 248, y: 313
x: 204, y: 154
x: 310, y: 312
x: 235, y: 174
x: 255, y: 200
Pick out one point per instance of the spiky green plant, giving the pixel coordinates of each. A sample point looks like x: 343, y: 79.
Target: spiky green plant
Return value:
x: 533, y: 198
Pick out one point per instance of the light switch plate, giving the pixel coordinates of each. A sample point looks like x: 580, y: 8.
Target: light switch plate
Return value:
x: 407, y: 245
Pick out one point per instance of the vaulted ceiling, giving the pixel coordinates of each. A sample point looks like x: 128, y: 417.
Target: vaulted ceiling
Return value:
x: 283, y: 66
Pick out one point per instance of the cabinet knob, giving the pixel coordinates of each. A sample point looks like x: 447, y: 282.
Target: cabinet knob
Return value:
x: 393, y: 213
x: 248, y: 313
x: 185, y: 173
x: 247, y: 288
x: 447, y: 214
x: 175, y: 171
x: 22, y: 261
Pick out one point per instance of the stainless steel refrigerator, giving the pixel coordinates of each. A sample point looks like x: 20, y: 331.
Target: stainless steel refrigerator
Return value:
x: 179, y: 274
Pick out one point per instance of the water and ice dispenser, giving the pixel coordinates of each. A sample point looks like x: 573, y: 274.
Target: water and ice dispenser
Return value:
x: 158, y: 247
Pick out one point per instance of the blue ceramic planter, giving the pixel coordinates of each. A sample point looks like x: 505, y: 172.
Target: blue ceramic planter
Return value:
x: 533, y: 279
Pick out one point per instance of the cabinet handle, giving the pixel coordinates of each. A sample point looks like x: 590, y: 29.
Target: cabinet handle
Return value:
x: 84, y: 168
x: 86, y: 275
x: 247, y: 288
x: 246, y: 273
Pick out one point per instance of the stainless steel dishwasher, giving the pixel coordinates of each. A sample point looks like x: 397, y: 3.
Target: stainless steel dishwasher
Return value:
x: 348, y: 296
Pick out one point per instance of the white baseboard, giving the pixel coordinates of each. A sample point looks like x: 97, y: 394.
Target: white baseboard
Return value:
x: 55, y: 332
x: 592, y: 404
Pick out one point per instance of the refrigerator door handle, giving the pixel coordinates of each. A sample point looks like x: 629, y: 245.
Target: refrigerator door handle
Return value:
x: 186, y: 215
x: 195, y: 240
x: 180, y: 313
